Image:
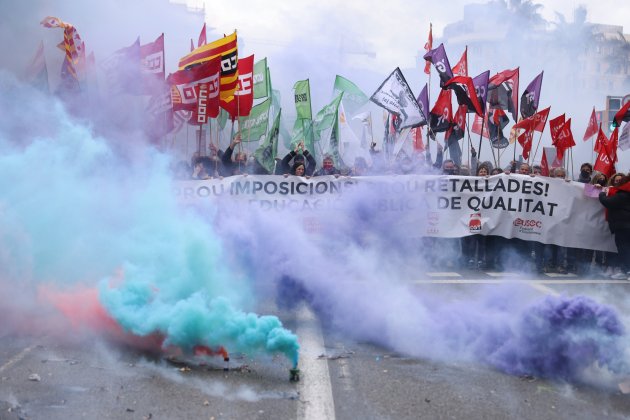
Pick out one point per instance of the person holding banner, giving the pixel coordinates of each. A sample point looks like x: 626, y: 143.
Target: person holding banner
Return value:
x: 304, y: 157
x: 613, y: 262
x: 617, y: 203
x: 474, y: 246
x: 328, y: 167
x: 240, y: 165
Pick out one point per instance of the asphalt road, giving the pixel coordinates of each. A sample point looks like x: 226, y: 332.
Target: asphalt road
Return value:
x: 44, y: 377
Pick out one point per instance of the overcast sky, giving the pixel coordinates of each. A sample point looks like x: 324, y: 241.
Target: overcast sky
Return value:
x: 394, y: 30
x: 361, y: 40
x: 366, y: 40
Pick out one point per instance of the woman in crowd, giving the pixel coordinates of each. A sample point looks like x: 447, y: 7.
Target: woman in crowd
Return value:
x: 617, y: 203
x: 599, y: 180
x: 474, y: 246
x: 299, y: 154
x: 613, y: 269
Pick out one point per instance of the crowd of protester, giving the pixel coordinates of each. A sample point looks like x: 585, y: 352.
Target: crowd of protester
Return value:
x: 475, y: 252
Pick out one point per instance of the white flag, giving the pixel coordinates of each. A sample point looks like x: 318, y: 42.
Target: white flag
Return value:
x: 395, y: 96
x: 349, y: 144
x: 624, y: 137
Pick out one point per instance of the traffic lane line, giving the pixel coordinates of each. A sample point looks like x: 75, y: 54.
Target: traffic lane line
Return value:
x: 315, y: 388
x: 18, y: 357
x: 510, y: 281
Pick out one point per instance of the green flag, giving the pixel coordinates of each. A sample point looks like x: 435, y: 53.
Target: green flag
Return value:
x: 255, y: 125
x: 333, y: 144
x: 326, y: 117
x: 325, y: 129
x: 266, y: 152
x: 353, y: 97
x: 303, y: 100
x: 302, y: 131
x: 261, y: 83
x: 275, y: 103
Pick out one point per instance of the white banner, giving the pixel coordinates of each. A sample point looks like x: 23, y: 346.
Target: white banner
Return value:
x: 546, y: 210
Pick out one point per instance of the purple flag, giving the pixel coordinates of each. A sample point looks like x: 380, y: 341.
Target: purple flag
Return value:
x: 439, y: 59
x: 530, y: 97
x: 481, y: 88
x: 423, y: 101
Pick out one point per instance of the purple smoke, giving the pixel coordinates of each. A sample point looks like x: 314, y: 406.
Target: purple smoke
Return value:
x: 560, y: 337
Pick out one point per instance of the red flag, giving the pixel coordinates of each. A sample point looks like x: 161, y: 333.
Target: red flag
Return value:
x: 478, y: 122
x: 604, y: 165
x: 458, y: 128
x: 184, y: 92
x: 526, y: 124
x: 503, y: 91
x: 202, y: 37
x: 428, y: 47
x: 592, y: 127
x: 564, y: 139
x: 243, y: 98
x: 152, y: 58
x: 461, y: 68
x: 416, y: 135
x: 622, y: 115
x: 541, y: 119
x: 554, y: 126
x: 441, y: 115
x: 159, y: 112
x: 612, y: 145
x: 544, y: 164
x: 469, y: 88
x: 525, y: 140
x: 460, y: 117
x: 602, y: 140
x: 606, y: 154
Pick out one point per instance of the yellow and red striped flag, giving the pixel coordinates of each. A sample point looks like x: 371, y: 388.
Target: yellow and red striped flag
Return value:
x: 226, y: 49
x: 73, y: 46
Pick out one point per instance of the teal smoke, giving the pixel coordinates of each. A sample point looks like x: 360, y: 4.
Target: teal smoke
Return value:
x: 74, y: 210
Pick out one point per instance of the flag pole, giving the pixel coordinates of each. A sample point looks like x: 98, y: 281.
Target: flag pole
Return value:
x: 483, y: 121
x: 471, y: 145
x: 514, y: 156
x: 537, y: 144
x: 468, y: 131
x: 187, y: 139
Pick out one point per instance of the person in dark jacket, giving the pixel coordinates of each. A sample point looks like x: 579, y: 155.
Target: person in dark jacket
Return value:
x: 586, y: 170
x: 240, y: 164
x: 305, y: 158
x: 617, y: 202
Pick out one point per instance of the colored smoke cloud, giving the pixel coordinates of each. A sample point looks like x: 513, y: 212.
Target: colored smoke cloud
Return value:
x: 358, y: 274
x: 78, y: 213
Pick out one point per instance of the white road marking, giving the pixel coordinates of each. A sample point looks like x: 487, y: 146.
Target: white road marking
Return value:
x: 511, y: 281
x: 345, y: 376
x: 560, y: 275
x: 316, y: 397
x: 444, y: 274
x: 542, y: 288
x: 17, y: 357
x: 499, y: 274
